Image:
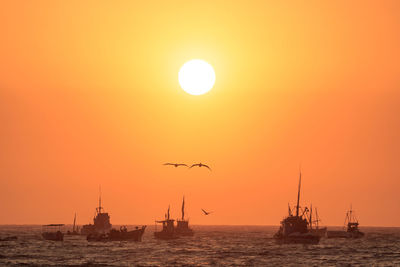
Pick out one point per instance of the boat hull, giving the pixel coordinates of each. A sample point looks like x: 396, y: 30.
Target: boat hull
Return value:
x: 184, y: 232
x: 54, y: 236
x: 115, y: 235
x: 166, y: 235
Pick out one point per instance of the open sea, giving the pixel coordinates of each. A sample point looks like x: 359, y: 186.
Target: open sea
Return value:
x: 211, y: 245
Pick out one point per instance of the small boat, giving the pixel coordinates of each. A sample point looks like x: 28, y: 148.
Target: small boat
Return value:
x: 182, y: 227
x: 52, y: 232
x: 295, y: 229
x: 168, y: 229
x: 75, y: 229
x: 118, y: 235
x: 352, y: 230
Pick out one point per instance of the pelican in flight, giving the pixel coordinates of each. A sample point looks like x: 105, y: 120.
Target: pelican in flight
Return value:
x: 206, y: 212
x: 175, y: 164
x: 200, y: 165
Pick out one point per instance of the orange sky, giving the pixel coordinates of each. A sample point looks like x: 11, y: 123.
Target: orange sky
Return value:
x: 89, y: 95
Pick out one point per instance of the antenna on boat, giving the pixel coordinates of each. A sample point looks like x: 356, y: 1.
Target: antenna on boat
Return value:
x: 298, y: 194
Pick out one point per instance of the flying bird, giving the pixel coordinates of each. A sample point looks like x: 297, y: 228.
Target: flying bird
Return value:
x: 206, y: 212
x: 176, y: 164
x: 200, y: 165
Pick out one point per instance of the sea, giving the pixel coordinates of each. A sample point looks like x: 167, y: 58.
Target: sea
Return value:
x: 210, y: 246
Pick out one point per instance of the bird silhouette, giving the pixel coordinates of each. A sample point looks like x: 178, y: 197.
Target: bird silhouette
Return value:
x: 200, y: 165
x: 175, y: 164
x: 207, y: 212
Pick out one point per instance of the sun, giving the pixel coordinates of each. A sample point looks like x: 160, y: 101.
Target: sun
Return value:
x: 196, y: 77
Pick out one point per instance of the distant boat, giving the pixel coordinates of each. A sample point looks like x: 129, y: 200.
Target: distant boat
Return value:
x: 168, y: 228
x: 75, y: 229
x: 352, y: 230
x: 295, y: 228
x: 101, y: 222
x: 52, y: 232
x: 182, y: 227
x: 314, y: 225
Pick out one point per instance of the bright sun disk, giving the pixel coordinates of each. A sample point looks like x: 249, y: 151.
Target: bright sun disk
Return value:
x: 196, y: 77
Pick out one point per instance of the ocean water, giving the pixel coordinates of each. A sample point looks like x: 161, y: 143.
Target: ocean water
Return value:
x: 211, y: 245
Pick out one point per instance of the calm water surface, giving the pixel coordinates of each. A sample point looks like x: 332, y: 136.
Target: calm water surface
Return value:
x: 211, y: 245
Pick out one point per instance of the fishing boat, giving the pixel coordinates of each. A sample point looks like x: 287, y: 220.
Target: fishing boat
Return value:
x: 352, y: 230
x: 101, y: 229
x: 314, y: 225
x: 75, y: 229
x: 168, y: 228
x: 52, y: 232
x: 182, y: 227
x: 118, y: 235
x: 295, y: 228
x: 101, y: 222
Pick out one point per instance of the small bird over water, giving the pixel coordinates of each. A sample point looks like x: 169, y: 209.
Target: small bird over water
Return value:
x: 206, y: 212
x: 200, y: 165
x: 175, y: 164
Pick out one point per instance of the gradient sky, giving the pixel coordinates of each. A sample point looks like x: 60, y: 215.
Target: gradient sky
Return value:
x: 89, y: 96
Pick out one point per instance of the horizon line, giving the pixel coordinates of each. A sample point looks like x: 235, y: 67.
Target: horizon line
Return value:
x: 138, y: 224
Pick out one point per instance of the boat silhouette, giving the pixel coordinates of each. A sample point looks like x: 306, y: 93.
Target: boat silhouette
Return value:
x: 53, y: 232
x: 182, y: 227
x: 352, y: 230
x: 295, y: 228
x: 101, y: 222
x: 101, y: 229
x: 168, y: 230
x: 75, y: 229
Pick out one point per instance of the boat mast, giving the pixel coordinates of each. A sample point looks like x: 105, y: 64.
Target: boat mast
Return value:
x: 298, y: 196
x: 99, y: 208
x: 351, y: 213
x: 73, y: 228
x: 311, y: 216
x: 183, y: 208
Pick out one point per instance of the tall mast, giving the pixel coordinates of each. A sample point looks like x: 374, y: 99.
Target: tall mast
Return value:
x: 183, y: 208
x: 311, y: 216
x: 168, y: 213
x: 351, y: 217
x: 73, y: 229
x: 298, y: 196
x: 99, y: 208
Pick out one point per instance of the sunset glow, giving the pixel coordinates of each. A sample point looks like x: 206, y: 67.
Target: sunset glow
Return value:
x: 91, y: 95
